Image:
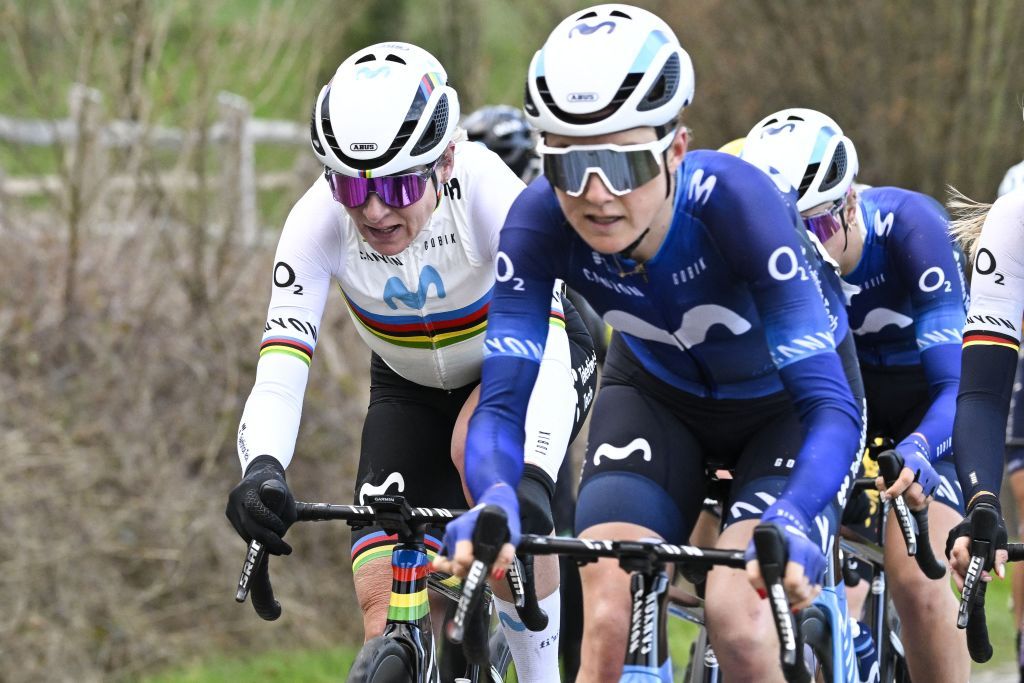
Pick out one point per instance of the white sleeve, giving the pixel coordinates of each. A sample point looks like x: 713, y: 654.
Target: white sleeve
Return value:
x: 997, y: 285
x: 491, y: 187
x: 305, y: 262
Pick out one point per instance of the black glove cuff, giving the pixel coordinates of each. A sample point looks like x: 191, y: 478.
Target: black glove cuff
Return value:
x: 264, y: 462
x: 987, y: 499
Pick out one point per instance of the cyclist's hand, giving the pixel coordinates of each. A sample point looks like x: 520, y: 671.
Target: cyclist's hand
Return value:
x: 958, y: 550
x: 917, y: 481
x: 261, y: 506
x: 456, y: 554
x: 805, y: 564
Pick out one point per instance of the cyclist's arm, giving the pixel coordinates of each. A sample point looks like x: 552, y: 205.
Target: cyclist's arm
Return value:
x: 517, y: 327
x: 930, y: 269
x: 991, y: 342
x: 300, y: 282
x: 757, y: 232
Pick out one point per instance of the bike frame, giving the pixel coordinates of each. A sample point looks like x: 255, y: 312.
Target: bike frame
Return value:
x: 409, y: 607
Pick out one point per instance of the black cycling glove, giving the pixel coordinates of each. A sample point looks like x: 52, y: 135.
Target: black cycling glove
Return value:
x: 261, y: 506
x: 964, y: 529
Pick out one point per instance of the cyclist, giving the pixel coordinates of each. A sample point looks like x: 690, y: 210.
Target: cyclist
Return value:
x: 991, y: 236
x: 906, y: 307
x: 406, y: 220
x: 506, y: 132
x: 723, y: 356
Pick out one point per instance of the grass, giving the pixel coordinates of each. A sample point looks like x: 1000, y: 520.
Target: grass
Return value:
x: 321, y: 666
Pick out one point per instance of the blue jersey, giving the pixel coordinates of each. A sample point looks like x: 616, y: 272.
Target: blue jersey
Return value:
x: 731, y: 306
x: 912, y: 303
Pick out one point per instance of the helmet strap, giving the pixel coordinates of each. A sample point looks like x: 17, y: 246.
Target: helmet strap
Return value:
x: 628, y: 251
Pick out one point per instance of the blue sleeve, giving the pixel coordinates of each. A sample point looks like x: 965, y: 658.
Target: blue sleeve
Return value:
x: 758, y: 235
x: 929, y: 267
x: 517, y: 328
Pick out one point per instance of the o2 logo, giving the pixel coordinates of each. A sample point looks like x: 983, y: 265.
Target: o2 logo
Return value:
x: 783, y: 265
x: 504, y: 271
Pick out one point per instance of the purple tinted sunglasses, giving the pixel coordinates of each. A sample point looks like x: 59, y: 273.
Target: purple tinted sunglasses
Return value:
x: 397, y: 191
x: 828, y: 223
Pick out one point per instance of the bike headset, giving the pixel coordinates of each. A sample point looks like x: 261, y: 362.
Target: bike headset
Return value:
x: 365, y: 135
x: 805, y: 151
x: 607, y: 69
x: 505, y: 131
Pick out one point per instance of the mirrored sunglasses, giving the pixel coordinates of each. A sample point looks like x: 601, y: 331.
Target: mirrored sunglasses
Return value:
x: 622, y: 168
x: 397, y: 191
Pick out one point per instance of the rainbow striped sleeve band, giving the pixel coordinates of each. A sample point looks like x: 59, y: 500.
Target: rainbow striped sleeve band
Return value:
x: 289, y: 346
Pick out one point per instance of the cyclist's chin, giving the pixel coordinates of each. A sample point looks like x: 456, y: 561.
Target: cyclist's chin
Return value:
x: 606, y: 238
x: 387, y: 240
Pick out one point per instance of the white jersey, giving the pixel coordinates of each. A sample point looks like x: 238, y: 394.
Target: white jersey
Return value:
x: 997, y: 286
x: 423, y: 311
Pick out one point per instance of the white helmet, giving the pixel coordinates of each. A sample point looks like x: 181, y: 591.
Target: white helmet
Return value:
x: 803, y: 150
x: 606, y: 69
x: 388, y: 108
x: 1013, y: 179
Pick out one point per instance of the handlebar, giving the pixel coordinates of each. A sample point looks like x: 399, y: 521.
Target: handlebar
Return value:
x: 890, y: 465
x: 971, y: 615
x: 771, y: 555
x: 394, y: 515
x: 489, y: 535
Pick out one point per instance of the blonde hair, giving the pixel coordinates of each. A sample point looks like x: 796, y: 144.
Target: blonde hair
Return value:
x: 968, y: 218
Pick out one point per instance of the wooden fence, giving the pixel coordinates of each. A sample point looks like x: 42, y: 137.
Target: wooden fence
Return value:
x: 86, y: 134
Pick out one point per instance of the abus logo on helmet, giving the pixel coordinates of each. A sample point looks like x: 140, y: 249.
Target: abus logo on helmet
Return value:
x: 582, y: 97
x: 363, y: 146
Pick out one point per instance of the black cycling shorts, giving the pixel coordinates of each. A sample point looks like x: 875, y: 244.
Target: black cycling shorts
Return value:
x: 651, y: 447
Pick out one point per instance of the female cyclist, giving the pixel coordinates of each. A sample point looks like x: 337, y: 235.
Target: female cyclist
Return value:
x: 725, y: 346
x: 406, y: 221
x: 906, y: 308
x: 991, y: 235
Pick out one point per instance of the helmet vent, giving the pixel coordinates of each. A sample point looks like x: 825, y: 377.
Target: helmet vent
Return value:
x: 366, y: 58
x: 528, y: 106
x: 629, y: 84
x: 435, y: 130
x: 394, y: 58
x: 664, y: 87
x: 314, y: 139
x: 812, y: 170
x: 836, y: 170
x: 588, y: 15
x: 619, y: 13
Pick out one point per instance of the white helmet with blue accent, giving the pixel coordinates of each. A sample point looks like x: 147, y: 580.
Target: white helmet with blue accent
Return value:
x: 806, y: 151
x: 388, y: 109
x: 607, y: 69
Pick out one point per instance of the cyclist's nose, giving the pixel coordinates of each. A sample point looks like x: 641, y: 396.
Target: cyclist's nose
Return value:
x: 595, y: 191
x: 375, y: 209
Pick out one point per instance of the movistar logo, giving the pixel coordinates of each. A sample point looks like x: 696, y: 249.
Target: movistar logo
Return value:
x: 396, y: 289
x: 511, y: 623
x: 587, y: 29
x: 367, y: 72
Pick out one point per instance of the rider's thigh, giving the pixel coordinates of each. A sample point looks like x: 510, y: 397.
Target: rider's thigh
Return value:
x: 373, y: 590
